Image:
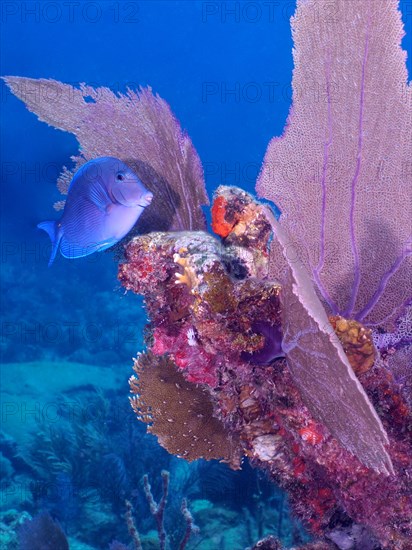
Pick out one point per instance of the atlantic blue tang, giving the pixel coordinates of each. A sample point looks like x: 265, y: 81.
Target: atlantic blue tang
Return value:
x: 104, y: 201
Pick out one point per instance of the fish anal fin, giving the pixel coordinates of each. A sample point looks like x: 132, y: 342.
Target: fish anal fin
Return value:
x: 79, y: 250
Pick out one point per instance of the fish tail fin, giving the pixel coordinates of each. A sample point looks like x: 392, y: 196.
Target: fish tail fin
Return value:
x: 55, y: 236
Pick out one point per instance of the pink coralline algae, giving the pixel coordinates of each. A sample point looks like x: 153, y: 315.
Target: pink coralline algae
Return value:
x: 285, y: 341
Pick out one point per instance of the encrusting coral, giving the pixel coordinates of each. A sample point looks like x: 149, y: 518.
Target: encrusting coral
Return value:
x: 203, y: 299
x: 357, y: 341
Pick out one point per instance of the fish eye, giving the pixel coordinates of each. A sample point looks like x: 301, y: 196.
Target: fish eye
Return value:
x: 120, y: 176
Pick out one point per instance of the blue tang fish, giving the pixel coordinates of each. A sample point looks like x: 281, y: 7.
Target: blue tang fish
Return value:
x: 104, y: 201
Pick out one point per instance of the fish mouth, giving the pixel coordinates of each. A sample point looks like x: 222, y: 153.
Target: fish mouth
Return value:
x: 142, y: 203
x: 147, y: 199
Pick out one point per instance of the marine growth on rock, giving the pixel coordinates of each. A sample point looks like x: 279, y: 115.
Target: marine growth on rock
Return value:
x: 211, y: 306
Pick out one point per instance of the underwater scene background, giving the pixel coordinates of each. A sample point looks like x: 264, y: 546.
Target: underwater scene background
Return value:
x: 71, y: 448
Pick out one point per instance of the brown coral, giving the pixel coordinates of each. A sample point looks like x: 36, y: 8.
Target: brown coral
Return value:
x: 179, y: 413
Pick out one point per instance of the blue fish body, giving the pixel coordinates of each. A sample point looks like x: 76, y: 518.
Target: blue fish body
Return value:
x: 104, y: 201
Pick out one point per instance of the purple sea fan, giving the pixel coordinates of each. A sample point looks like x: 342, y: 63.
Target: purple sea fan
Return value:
x: 138, y: 128
x: 342, y: 179
x: 321, y: 370
x: 341, y: 173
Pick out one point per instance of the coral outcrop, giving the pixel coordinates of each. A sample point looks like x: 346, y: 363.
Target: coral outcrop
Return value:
x: 216, y: 322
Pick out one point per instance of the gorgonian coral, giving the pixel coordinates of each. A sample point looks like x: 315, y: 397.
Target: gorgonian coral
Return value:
x: 341, y: 173
x: 138, y: 128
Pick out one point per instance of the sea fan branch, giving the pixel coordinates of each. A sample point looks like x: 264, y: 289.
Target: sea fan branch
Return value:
x: 382, y: 286
x: 355, y: 252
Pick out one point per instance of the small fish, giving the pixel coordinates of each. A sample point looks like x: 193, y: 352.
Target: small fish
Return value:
x: 104, y: 201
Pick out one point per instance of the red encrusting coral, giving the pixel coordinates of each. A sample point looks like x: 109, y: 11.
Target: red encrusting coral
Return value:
x: 220, y: 225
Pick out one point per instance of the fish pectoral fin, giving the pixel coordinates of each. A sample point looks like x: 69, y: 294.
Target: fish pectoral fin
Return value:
x: 99, y: 196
